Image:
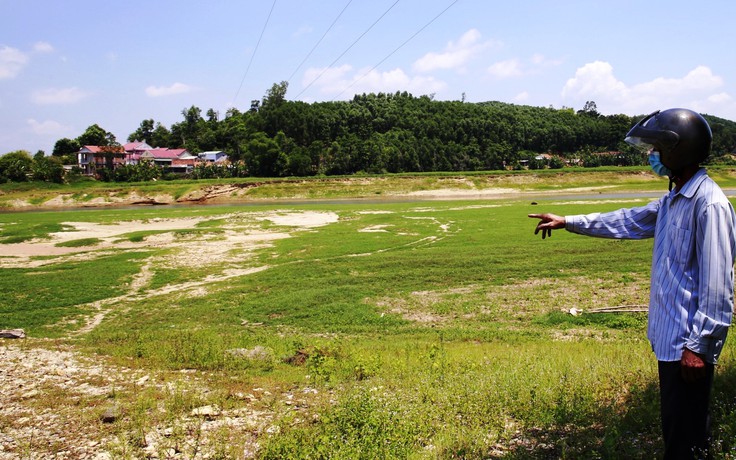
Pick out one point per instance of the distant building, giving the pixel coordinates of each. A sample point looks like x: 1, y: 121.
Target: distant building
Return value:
x: 213, y: 156
x: 134, y: 150
x: 94, y: 157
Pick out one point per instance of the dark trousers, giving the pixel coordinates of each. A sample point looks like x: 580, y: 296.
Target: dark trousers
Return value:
x: 685, y: 415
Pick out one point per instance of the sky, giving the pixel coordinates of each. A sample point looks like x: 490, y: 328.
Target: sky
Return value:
x: 66, y: 65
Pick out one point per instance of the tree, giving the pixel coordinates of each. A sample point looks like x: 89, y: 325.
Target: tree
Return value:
x: 264, y: 158
x: 275, y: 96
x: 16, y: 166
x: 144, y: 132
x: 47, y: 169
x: 187, y: 133
x: 212, y: 116
x: 590, y: 109
x: 94, y: 135
x: 66, y: 147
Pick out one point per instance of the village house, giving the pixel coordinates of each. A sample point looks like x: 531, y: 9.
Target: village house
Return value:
x: 134, y: 150
x: 164, y: 157
x: 92, y: 157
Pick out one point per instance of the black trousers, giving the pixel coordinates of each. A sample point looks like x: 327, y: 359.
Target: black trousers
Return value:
x: 685, y: 414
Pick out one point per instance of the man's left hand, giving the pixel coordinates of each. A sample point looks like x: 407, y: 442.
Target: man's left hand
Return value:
x: 692, y: 366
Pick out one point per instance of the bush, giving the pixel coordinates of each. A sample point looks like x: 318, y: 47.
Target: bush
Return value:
x: 15, y: 166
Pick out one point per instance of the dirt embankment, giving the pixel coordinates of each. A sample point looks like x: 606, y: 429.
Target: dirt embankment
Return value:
x: 207, y: 194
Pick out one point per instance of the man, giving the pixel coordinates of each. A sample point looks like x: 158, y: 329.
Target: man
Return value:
x: 692, y: 281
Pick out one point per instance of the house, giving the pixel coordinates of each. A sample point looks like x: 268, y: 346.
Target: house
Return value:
x: 134, y: 150
x: 168, y: 158
x: 213, y: 156
x: 184, y: 162
x: 94, y: 157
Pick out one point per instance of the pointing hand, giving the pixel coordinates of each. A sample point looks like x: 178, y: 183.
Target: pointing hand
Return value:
x: 547, y: 223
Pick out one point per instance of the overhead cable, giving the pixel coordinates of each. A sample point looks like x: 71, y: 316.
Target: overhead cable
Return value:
x: 348, y: 49
x: 254, y: 52
x: 397, y: 49
x: 319, y: 41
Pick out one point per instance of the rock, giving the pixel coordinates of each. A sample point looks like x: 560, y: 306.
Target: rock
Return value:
x: 12, y: 334
x: 258, y: 353
x: 110, y: 415
x: 206, y: 411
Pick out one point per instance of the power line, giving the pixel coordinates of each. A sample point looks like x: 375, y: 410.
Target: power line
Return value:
x: 319, y: 41
x: 397, y: 49
x: 254, y: 52
x: 348, y: 49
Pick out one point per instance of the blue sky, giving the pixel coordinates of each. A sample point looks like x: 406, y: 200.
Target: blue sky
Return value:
x: 65, y: 65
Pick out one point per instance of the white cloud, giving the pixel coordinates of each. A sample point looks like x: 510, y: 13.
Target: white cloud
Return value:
x: 47, y: 128
x: 455, y: 55
x: 512, y: 68
x: 540, y: 60
x: 43, y: 47
x: 52, y: 96
x: 12, y: 62
x: 343, y: 81
x: 720, y: 98
x: 699, y: 90
x: 506, y: 69
x: 521, y: 97
x: 176, y: 88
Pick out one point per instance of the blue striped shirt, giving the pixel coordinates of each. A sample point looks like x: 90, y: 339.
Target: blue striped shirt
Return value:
x: 692, y: 285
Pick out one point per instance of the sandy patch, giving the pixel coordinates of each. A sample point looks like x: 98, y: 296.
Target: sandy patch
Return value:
x: 242, y: 234
x: 374, y: 229
x: 102, y: 231
x: 459, y: 193
x: 597, y: 202
x: 306, y: 219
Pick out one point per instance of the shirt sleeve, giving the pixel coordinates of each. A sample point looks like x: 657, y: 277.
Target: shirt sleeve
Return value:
x: 632, y: 223
x: 715, y: 249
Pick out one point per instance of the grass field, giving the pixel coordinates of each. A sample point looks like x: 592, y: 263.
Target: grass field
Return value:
x: 382, y: 329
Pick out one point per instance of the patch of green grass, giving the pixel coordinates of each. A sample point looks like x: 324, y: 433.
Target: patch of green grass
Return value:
x: 18, y: 232
x: 82, y: 242
x: 43, y: 300
x: 606, y: 320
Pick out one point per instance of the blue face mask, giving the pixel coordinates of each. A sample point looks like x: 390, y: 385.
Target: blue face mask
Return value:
x: 657, y: 165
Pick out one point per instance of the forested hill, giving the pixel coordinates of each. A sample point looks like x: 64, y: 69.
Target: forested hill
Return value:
x: 376, y: 133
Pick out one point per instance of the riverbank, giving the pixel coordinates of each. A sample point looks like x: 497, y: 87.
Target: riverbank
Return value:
x: 92, y: 194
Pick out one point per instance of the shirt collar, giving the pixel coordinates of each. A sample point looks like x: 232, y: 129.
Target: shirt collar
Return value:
x: 691, y: 186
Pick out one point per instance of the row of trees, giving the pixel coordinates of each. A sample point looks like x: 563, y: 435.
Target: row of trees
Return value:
x: 19, y: 166
x: 376, y: 133
x: 397, y: 132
